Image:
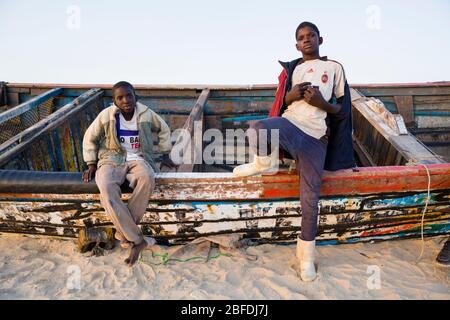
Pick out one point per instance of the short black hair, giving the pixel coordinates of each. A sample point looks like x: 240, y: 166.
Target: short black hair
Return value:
x: 307, y: 24
x: 123, y: 84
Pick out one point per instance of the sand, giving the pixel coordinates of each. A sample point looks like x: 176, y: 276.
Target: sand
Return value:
x: 48, y: 268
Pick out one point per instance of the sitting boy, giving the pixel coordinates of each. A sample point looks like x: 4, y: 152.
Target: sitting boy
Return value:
x: 312, y: 113
x: 117, y: 146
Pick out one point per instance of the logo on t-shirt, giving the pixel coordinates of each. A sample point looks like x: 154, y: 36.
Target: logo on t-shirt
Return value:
x: 310, y: 70
x: 130, y: 138
x: 325, y: 77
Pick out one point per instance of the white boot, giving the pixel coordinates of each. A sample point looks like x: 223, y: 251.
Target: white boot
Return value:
x: 306, y: 256
x: 268, y: 164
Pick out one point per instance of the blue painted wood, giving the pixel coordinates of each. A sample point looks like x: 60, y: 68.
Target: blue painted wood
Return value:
x: 15, y: 145
x: 62, y: 101
x: 50, y: 152
x: 433, y: 113
x: 244, y: 118
x: 58, y: 150
x: 30, y: 104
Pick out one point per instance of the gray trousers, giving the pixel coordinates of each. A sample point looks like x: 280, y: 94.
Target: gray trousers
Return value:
x: 309, y: 154
x: 126, y: 217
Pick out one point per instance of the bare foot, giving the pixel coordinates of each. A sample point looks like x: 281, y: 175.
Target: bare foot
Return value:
x: 135, y: 251
x: 124, y: 243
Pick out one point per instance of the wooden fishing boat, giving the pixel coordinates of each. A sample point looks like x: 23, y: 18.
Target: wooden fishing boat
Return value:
x: 400, y: 188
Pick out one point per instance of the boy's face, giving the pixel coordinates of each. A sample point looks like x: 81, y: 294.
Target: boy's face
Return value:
x: 124, y: 99
x: 308, y: 41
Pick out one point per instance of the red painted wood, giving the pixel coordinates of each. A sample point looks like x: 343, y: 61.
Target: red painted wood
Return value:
x: 367, y: 181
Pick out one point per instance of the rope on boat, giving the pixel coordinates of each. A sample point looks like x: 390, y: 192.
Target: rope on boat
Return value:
x: 165, y: 259
x: 424, y: 210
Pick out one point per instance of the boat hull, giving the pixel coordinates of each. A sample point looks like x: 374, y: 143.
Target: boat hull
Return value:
x: 364, y: 205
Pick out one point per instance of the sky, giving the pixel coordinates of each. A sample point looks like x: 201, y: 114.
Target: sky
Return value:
x: 218, y: 42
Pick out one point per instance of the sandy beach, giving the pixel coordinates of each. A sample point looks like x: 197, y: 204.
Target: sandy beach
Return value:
x: 48, y: 268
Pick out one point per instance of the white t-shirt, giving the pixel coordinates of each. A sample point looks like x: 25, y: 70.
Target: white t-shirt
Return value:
x: 129, y: 137
x: 329, y: 76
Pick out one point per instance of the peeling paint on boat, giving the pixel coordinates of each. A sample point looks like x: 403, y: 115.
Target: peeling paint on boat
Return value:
x: 339, y: 218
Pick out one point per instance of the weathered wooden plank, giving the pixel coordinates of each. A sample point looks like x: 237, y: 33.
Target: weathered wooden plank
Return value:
x: 433, y: 121
x: 21, y: 141
x: 233, y: 105
x: 256, y: 215
x: 37, y: 155
x: 19, y: 89
x: 413, y: 151
x: 370, y: 140
x: 224, y: 186
x: 13, y: 99
x: 363, y: 155
x: 390, y: 154
x: 78, y: 126
x: 176, y: 105
x: 418, y: 89
x: 3, y: 94
x: 432, y: 103
x: 354, y: 209
x: 348, y: 219
x: 65, y: 147
x: 176, y: 121
x: 406, y: 109
x: 442, y: 151
x: 373, y: 112
x: 197, y: 87
x: 437, y: 136
x: 438, y: 84
x: 239, y: 106
x: 264, y: 93
x: 410, y: 148
x: 29, y: 105
x: 193, y: 145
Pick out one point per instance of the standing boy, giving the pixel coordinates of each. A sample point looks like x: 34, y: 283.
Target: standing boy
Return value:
x: 312, y: 112
x: 117, y: 146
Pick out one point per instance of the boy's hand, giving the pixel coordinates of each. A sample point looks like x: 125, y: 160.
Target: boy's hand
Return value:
x: 166, y: 161
x: 89, y: 174
x: 297, y: 92
x: 314, y: 97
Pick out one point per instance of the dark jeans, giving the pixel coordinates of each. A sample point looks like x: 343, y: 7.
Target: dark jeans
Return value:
x: 309, y: 154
